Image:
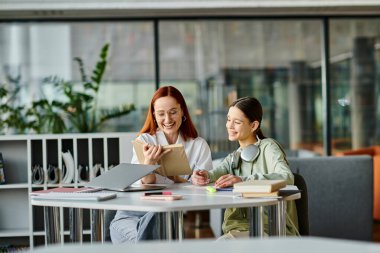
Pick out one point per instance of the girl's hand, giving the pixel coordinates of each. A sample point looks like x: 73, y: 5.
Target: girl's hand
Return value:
x: 153, y: 153
x: 200, y: 177
x: 227, y: 181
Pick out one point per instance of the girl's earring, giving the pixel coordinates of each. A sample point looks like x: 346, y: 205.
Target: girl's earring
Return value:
x: 183, y: 118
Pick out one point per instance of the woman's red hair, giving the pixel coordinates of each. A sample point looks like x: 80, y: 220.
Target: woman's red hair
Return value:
x: 187, y: 128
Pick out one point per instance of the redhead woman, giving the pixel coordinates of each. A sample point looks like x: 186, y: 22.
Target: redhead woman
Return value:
x: 168, y: 122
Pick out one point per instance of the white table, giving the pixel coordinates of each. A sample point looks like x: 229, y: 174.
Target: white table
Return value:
x: 194, y: 198
x: 269, y: 245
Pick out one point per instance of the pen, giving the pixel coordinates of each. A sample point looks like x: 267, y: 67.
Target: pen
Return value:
x: 157, y: 193
x: 227, y: 189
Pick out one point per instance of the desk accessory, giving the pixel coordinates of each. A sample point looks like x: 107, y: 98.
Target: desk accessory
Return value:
x: 211, y: 189
x: 157, y: 193
x: 69, y: 173
x: 226, y: 189
x: 52, y: 174
x: 38, y: 174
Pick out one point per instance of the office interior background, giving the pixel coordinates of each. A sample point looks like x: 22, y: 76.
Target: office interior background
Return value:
x: 314, y: 67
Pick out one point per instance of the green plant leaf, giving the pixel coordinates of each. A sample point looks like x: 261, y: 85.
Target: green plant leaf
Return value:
x: 81, y: 69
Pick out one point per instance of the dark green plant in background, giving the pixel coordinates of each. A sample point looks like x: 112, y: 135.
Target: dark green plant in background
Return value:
x: 77, y: 107
x: 12, y: 115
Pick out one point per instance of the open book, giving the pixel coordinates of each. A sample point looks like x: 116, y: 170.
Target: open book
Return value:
x: 174, y: 163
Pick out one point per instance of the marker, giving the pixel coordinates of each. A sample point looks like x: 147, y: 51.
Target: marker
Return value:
x: 157, y: 193
x: 210, y: 189
x: 227, y: 189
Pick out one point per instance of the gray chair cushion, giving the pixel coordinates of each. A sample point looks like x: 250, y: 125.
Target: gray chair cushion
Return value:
x: 339, y: 195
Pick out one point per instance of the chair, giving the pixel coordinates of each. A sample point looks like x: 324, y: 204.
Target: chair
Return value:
x: 374, y: 152
x: 302, y: 205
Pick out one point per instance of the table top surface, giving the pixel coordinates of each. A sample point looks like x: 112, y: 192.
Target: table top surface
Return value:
x: 194, y: 198
x: 269, y: 245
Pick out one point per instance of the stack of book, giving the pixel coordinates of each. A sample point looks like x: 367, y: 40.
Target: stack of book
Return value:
x: 259, y: 188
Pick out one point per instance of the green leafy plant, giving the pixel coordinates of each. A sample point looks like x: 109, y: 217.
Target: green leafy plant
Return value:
x: 13, y: 117
x: 78, y: 111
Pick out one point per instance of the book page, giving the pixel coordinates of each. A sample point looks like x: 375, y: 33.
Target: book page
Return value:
x: 174, y: 163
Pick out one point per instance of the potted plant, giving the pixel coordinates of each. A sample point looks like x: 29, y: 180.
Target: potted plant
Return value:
x: 78, y: 109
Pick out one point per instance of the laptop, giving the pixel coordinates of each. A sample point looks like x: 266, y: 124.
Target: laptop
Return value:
x: 122, y: 177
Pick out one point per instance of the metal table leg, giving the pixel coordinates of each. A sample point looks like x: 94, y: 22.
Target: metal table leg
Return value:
x: 52, y: 225
x: 256, y: 221
x: 273, y: 220
x: 97, y: 226
x: 76, y: 224
x: 179, y: 232
x: 168, y: 226
x: 281, y: 217
x: 164, y: 226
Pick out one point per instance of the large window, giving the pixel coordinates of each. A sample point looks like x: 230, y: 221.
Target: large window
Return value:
x: 34, y: 51
x: 214, y: 62
x: 355, y: 58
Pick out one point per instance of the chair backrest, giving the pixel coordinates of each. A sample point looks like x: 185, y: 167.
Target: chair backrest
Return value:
x: 302, y: 205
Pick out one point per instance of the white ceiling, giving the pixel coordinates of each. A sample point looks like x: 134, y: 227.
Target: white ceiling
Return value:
x: 41, y: 9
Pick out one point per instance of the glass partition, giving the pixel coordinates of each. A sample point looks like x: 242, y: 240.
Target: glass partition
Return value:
x: 213, y: 62
x: 278, y: 62
x: 355, y: 57
x: 30, y: 52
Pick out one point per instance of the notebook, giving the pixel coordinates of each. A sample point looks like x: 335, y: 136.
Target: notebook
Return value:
x: 122, y: 176
x: 92, y: 196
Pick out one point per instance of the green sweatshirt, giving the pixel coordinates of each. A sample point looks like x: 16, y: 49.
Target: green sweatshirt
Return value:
x: 270, y: 164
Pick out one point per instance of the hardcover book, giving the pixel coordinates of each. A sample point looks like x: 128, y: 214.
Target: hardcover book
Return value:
x: 260, y: 194
x: 282, y: 192
x: 174, y: 163
x: 259, y: 186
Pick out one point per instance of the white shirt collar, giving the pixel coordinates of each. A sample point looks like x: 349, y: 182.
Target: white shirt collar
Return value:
x: 161, y: 138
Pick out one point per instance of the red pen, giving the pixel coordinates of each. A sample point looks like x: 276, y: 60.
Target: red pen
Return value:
x: 157, y: 193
